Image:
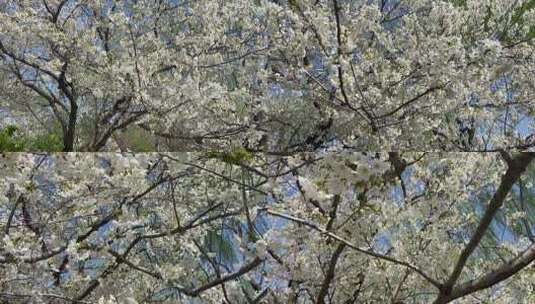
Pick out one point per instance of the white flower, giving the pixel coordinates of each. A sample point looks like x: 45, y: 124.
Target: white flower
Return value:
x: 72, y: 249
x: 8, y: 243
x: 309, y: 188
x: 110, y: 300
x: 261, y: 248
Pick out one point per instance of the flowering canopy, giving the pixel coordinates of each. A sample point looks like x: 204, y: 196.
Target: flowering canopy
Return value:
x: 310, y: 228
x: 259, y: 122
x: 270, y: 75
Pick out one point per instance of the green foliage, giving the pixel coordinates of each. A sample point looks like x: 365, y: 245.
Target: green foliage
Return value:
x: 518, y: 17
x: 48, y: 142
x: 138, y: 140
x: 235, y: 157
x: 460, y: 3
x: 510, y: 34
x: 12, y: 139
x: 9, y: 140
x: 519, y: 12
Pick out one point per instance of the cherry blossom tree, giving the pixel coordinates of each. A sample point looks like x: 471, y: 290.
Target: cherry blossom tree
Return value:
x: 254, y: 228
x: 267, y: 151
x: 279, y: 76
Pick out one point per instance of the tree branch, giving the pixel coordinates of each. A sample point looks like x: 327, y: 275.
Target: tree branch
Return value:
x: 243, y: 270
x: 494, y: 277
x: 517, y: 166
x: 353, y: 246
x: 329, y: 276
